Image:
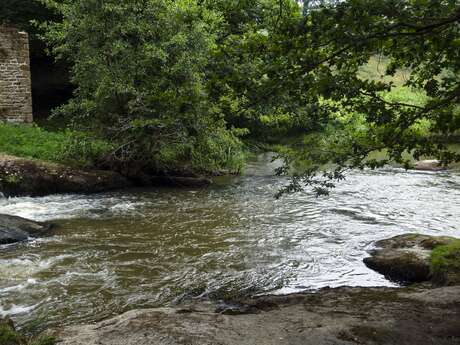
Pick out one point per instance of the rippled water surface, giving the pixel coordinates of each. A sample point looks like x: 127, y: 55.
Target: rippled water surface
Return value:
x: 143, y: 248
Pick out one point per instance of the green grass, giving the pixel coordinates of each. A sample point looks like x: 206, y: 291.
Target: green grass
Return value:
x: 375, y: 70
x: 8, y: 336
x: 446, y: 258
x: 62, y: 146
x: 31, y: 142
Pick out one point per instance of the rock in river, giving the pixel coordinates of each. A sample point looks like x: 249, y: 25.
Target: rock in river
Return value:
x: 30, y: 177
x: 15, y: 229
x: 405, y: 258
x: 429, y: 165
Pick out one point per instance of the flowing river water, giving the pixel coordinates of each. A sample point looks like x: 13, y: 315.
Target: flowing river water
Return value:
x: 117, y: 251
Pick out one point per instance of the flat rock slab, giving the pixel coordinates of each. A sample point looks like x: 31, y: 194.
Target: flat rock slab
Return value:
x: 343, y: 316
x: 405, y: 258
x: 16, y: 229
x: 30, y: 177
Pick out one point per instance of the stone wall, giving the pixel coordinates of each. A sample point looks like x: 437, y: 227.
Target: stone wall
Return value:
x: 15, y: 82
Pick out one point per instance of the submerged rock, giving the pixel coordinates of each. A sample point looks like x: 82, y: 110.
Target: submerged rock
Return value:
x: 30, y: 177
x: 429, y: 165
x: 342, y: 316
x: 16, y: 229
x: 405, y: 258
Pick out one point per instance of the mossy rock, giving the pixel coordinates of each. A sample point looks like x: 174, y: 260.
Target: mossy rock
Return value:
x: 401, y: 267
x: 445, y: 263
x: 414, y: 258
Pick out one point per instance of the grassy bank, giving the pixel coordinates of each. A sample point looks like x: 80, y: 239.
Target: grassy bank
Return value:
x: 63, y: 146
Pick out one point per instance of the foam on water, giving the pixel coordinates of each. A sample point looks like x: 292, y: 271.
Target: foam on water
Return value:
x: 68, y: 206
x: 15, y: 310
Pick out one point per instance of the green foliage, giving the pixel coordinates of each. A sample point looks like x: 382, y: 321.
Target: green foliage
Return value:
x: 243, y: 77
x: 218, y: 150
x: 408, y: 108
x: 65, y: 147
x: 8, y: 336
x: 139, y: 67
x: 173, y: 83
x: 83, y: 150
x: 446, y: 258
x: 20, y: 13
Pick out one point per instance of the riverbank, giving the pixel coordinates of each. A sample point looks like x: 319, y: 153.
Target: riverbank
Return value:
x: 36, y: 162
x: 21, y: 176
x: 341, y: 316
x: 33, y: 177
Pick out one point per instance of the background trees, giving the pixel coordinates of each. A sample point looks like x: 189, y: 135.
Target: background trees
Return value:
x: 360, y: 115
x: 180, y: 83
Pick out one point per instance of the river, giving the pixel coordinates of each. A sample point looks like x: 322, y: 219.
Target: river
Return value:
x: 116, y: 251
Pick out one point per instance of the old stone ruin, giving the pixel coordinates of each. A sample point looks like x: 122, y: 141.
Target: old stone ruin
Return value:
x: 15, y: 81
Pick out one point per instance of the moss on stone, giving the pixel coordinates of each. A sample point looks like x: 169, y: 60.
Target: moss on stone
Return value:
x: 8, y: 336
x: 436, y: 241
x: 445, y: 262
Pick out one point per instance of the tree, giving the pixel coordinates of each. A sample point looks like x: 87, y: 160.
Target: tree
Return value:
x: 174, y: 81
x: 238, y: 70
x: 323, y: 56
x: 21, y: 13
x: 139, y: 68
